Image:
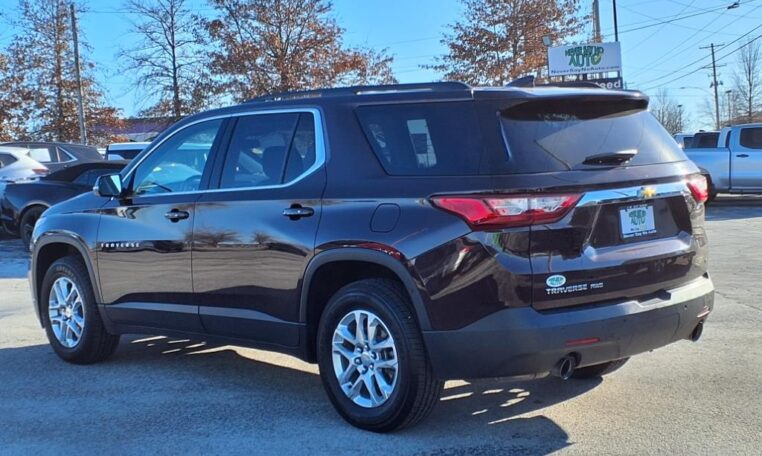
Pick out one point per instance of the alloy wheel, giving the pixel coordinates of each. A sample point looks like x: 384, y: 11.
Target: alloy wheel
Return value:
x: 66, y: 312
x: 365, y: 358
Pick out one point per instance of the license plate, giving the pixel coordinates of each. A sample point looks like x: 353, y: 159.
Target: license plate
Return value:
x: 637, y: 221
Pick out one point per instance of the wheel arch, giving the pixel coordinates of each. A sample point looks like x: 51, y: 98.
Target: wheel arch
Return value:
x: 51, y: 247
x: 353, y: 264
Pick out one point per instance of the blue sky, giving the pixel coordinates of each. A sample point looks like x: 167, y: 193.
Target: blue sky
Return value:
x: 410, y: 30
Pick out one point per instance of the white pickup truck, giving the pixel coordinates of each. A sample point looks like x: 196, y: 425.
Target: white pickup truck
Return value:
x: 735, y: 166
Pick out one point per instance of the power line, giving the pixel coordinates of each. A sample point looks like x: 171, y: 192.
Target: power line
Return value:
x: 718, y: 59
x: 700, y: 59
x: 671, y: 50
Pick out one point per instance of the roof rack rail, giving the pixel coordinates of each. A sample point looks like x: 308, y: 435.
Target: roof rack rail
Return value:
x: 446, y: 86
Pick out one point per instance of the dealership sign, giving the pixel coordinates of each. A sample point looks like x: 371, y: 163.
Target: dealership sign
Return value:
x: 584, y: 59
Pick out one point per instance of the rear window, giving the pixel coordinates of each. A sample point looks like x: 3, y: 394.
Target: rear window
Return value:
x: 558, y: 135
x: 435, y: 139
x: 705, y: 141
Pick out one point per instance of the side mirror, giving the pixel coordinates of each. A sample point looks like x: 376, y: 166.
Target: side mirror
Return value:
x: 109, y: 185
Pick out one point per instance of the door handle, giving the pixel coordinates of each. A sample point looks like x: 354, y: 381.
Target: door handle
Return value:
x: 175, y: 216
x: 742, y: 155
x: 296, y: 212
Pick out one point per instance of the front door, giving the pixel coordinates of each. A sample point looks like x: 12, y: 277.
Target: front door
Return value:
x: 255, y: 234
x: 144, y: 240
x: 746, y: 160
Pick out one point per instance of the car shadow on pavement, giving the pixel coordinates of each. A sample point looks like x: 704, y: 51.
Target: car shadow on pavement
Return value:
x: 731, y: 207
x: 14, y: 259
x: 156, y: 385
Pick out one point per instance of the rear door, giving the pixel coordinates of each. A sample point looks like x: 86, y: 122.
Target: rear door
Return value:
x: 255, y: 233
x: 746, y: 159
x: 636, y: 230
x: 144, y: 240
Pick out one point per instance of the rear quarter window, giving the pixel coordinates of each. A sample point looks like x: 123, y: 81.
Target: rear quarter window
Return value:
x: 424, y: 139
x: 6, y: 159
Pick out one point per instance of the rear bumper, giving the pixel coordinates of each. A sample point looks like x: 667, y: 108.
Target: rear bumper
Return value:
x: 525, y: 342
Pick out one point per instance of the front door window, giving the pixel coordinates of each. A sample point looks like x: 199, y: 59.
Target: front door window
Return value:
x: 178, y: 163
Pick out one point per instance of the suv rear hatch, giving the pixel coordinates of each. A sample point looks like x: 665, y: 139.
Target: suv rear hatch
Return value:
x: 634, y: 233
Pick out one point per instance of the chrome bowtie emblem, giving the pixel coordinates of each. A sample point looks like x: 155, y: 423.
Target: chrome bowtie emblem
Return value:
x: 647, y: 192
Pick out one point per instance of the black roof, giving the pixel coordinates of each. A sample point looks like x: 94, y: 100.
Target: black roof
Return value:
x: 71, y: 172
x: 407, y: 93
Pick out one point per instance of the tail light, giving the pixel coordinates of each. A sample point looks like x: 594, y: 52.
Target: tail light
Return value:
x: 40, y: 171
x: 699, y: 187
x: 484, y: 212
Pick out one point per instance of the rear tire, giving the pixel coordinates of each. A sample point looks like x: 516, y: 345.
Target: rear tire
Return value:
x: 70, y: 314
x: 712, y: 193
x: 599, y: 370
x: 28, y: 220
x: 406, y: 394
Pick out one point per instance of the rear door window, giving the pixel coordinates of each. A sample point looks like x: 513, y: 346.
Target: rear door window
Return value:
x: 558, y: 135
x: 269, y: 149
x: 424, y: 139
x: 751, y: 138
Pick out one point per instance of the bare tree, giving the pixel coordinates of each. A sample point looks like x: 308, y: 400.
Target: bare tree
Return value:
x: 668, y: 112
x: 501, y: 40
x: 169, y: 60
x: 40, y: 66
x: 748, y: 80
x: 265, y: 46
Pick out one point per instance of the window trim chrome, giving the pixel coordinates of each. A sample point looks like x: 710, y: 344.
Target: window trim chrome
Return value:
x: 320, y: 150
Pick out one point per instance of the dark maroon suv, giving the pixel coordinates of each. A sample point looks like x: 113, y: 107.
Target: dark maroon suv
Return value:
x: 399, y: 236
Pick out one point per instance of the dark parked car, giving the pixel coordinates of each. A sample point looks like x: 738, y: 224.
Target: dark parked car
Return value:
x: 124, y: 150
x: 399, y: 236
x: 704, y: 140
x: 23, y: 202
x: 57, y: 156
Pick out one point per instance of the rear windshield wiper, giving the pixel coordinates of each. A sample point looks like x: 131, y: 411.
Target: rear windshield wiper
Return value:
x: 611, y: 158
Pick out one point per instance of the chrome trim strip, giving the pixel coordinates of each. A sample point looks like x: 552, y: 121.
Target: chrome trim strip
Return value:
x: 633, y: 193
x: 320, y: 149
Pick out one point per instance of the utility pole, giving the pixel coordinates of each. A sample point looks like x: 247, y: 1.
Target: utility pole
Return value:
x: 80, y: 107
x: 729, y: 93
x: 596, y: 22
x: 616, y: 25
x: 715, y: 85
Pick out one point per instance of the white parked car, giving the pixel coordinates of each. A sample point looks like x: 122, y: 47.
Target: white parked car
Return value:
x: 15, y: 165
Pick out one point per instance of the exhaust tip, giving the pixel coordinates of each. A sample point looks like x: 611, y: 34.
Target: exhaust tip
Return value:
x: 564, y: 368
x: 697, y: 331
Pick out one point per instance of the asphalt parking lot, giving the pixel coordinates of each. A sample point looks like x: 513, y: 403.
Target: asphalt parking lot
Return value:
x: 166, y: 396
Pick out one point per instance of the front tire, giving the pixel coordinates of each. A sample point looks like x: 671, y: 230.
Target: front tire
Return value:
x: 26, y: 226
x: 70, y: 314
x: 372, y: 359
